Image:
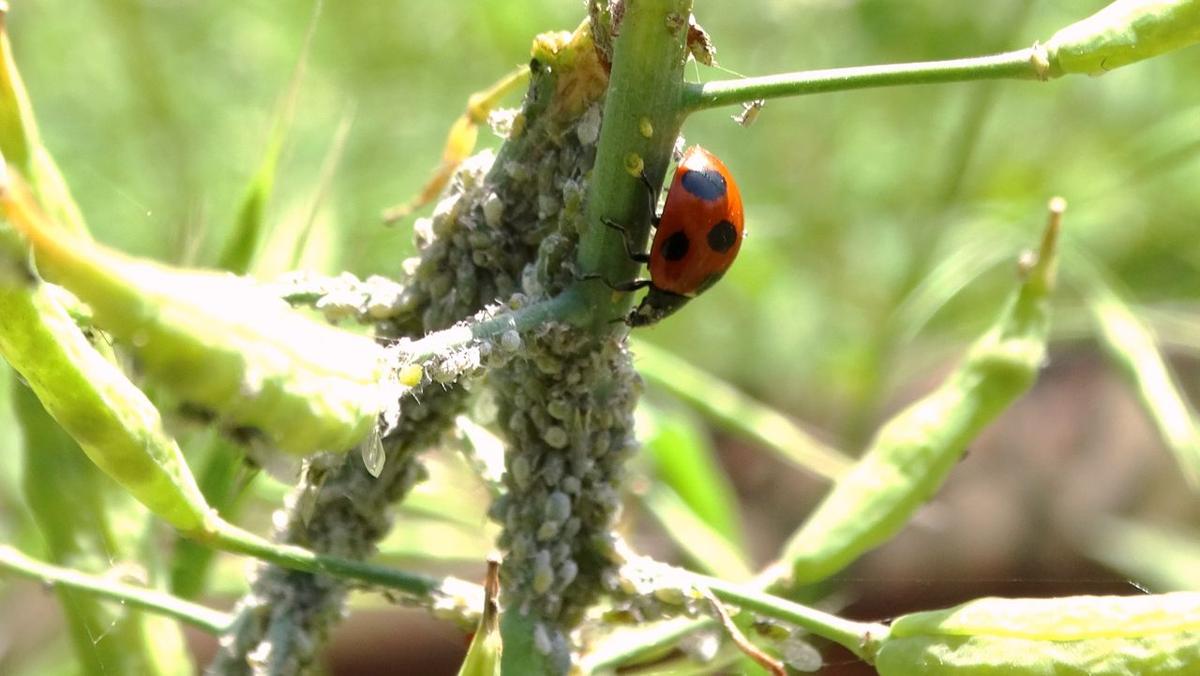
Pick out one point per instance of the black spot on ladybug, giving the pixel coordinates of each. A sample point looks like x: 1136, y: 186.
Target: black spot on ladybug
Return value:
x: 722, y: 236
x: 676, y: 246
x: 707, y: 184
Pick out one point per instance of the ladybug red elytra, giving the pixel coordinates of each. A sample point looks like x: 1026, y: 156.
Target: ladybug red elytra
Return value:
x: 698, y: 235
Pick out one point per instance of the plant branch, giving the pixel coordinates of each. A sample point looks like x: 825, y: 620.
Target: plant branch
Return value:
x: 859, y: 638
x: 202, y: 617
x: 1023, y: 64
x: 642, y: 117
x: 462, y: 596
x: 739, y: 639
x: 1124, y: 32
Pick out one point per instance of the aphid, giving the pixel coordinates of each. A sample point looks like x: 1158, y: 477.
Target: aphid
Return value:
x: 750, y: 112
x: 698, y: 235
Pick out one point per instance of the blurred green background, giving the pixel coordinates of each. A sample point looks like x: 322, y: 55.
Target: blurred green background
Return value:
x: 867, y: 213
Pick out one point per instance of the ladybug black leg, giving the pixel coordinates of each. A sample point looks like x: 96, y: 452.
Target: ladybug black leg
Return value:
x: 624, y: 287
x: 630, y: 286
x: 635, y: 255
x: 652, y: 195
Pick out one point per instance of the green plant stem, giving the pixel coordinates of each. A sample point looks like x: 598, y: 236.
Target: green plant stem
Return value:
x: 250, y: 227
x: 860, y: 638
x: 228, y: 537
x: 642, y: 116
x: 927, y: 233
x: 212, y: 621
x: 223, y: 479
x: 1022, y: 64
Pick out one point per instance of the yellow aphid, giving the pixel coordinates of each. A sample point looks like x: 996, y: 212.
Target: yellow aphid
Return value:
x: 410, y: 375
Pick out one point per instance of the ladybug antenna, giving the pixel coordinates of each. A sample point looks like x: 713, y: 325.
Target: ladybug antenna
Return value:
x: 727, y: 70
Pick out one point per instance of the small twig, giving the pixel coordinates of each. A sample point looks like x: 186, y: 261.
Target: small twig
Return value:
x: 202, y: 617
x: 752, y: 651
x: 455, y: 596
x: 1022, y: 64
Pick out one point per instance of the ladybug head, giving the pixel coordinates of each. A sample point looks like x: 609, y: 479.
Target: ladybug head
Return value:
x: 656, y: 305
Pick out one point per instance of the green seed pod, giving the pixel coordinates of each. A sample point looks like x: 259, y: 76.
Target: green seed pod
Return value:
x: 1122, y: 33
x: 1152, y: 635
x: 914, y: 452
x: 110, y: 418
x: 220, y: 341
x: 87, y: 532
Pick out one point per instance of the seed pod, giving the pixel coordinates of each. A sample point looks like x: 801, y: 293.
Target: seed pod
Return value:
x: 219, y: 341
x: 914, y: 452
x: 110, y: 418
x: 1152, y: 635
x: 1122, y: 33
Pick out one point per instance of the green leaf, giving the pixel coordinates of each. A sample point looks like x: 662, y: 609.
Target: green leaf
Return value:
x: 738, y: 413
x: 1163, y: 559
x: 711, y: 550
x: 1131, y: 344
x: 21, y: 143
x: 250, y: 224
x: 685, y: 459
x: 18, y: 132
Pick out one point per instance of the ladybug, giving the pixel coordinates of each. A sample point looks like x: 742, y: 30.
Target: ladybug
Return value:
x: 697, y: 236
